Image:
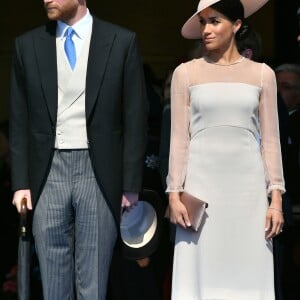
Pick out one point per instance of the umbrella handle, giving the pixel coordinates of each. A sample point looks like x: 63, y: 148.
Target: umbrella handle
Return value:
x: 23, y: 218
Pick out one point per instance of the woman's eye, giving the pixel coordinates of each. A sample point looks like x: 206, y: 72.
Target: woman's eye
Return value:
x: 202, y: 22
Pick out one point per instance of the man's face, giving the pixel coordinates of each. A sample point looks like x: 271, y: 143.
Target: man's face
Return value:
x: 289, y: 88
x: 298, y: 37
x: 63, y: 10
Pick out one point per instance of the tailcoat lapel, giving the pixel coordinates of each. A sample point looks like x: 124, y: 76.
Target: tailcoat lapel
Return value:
x: 45, y: 49
x: 100, y: 47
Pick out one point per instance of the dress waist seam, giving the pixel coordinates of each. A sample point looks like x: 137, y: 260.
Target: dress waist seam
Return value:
x: 254, y: 132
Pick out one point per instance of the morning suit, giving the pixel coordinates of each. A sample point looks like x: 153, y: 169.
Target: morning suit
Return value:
x: 115, y: 116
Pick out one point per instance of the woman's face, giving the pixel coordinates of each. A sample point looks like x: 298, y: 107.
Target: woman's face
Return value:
x: 217, y: 31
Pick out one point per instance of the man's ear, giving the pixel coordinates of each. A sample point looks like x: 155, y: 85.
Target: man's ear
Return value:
x: 248, y: 53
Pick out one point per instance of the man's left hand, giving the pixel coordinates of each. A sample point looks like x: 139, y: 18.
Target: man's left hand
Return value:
x: 129, y: 199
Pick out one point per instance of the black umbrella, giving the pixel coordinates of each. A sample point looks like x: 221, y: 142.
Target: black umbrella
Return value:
x: 24, y: 254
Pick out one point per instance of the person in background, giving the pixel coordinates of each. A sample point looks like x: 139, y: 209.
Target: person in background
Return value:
x: 298, y: 15
x: 196, y: 51
x: 8, y: 217
x: 250, y: 46
x: 78, y: 114
x: 288, y: 82
x: 164, y: 144
x: 218, y: 112
x: 144, y: 278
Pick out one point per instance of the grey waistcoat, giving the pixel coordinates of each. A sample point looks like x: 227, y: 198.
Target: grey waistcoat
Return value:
x: 71, y: 122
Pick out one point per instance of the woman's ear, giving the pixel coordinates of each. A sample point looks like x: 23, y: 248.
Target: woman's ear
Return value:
x: 237, y: 25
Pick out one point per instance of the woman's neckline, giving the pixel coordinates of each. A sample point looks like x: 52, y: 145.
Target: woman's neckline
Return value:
x: 208, y: 60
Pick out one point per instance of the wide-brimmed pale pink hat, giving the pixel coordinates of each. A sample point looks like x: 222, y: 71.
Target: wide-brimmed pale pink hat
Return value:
x: 191, y: 28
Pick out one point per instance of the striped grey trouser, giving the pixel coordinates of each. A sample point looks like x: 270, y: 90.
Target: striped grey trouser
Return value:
x: 74, y: 230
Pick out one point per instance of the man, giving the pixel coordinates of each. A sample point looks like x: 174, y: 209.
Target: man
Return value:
x: 77, y: 133
x: 298, y: 15
x: 288, y: 81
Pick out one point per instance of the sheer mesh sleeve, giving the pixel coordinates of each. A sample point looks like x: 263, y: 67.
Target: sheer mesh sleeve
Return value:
x: 179, y: 130
x: 270, y: 145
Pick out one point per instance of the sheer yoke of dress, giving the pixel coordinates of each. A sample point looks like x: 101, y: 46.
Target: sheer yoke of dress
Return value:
x: 245, y: 80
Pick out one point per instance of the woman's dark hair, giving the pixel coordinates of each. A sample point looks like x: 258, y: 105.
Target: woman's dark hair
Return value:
x: 251, y: 41
x: 233, y: 10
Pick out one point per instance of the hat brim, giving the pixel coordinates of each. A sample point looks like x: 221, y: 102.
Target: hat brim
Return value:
x: 191, y: 28
x: 134, y: 252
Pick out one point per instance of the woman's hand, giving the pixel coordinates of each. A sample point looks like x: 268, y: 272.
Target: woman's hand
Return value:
x: 274, y: 219
x: 178, y: 212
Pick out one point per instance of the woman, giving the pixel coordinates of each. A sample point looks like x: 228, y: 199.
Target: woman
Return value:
x: 224, y: 150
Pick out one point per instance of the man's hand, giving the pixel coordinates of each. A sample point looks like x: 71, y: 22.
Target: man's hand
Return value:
x: 129, y: 200
x: 18, y: 196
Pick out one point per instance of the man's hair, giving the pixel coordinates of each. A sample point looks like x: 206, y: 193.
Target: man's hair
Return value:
x: 293, y: 68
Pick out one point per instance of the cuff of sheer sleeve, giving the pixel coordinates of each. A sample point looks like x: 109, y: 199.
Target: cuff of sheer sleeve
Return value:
x: 174, y: 189
x: 276, y: 187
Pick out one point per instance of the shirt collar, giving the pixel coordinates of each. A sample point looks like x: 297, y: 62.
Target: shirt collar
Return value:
x: 81, y: 28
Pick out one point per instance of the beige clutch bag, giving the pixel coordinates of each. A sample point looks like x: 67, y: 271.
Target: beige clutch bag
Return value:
x: 195, y: 208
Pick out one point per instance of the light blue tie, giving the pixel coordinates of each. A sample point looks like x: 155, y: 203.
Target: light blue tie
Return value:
x: 70, y: 47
